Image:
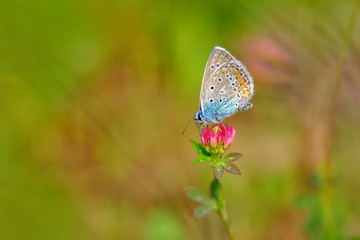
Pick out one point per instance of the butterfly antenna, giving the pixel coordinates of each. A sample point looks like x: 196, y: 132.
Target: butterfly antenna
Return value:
x: 186, y: 126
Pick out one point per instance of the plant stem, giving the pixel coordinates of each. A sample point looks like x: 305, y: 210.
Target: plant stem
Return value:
x: 326, y: 193
x: 217, y: 194
x: 226, y: 224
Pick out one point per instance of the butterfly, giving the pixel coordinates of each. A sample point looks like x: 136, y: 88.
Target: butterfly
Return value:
x: 226, y: 88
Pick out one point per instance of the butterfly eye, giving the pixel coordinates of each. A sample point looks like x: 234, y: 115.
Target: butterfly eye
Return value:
x: 220, y: 79
x: 227, y: 75
x: 236, y: 105
x: 212, y: 66
x: 220, y: 100
x: 211, y: 100
x: 212, y: 87
x: 233, y: 84
x: 235, y: 89
x: 217, y: 64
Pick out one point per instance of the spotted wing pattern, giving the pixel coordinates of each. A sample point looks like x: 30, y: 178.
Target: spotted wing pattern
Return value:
x: 226, y: 88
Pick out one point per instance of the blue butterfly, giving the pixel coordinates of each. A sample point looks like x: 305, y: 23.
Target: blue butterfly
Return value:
x: 226, y: 88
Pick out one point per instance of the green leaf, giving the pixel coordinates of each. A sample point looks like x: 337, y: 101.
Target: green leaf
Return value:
x: 231, y: 168
x: 201, y: 159
x: 197, y: 146
x: 199, y: 149
x: 218, y: 171
x: 203, y: 210
x: 232, y: 157
x: 197, y: 195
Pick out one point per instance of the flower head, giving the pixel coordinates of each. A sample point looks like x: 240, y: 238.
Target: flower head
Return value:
x: 217, y: 138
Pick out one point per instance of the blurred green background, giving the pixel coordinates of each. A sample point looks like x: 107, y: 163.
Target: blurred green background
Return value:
x: 94, y: 96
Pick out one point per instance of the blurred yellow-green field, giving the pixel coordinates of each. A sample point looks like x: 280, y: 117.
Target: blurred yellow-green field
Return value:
x: 94, y: 96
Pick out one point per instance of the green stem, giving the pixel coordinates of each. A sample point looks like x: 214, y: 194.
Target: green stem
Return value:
x: 217, y: 194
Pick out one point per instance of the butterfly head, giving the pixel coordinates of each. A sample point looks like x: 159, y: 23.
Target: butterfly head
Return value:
x: 199, y: 118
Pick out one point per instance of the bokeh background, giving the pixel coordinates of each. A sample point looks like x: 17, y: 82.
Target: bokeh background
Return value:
x: 94, y: 96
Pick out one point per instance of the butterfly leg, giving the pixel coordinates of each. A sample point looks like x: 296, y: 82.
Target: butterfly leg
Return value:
x: 245, y: 106
x: 200, y: 127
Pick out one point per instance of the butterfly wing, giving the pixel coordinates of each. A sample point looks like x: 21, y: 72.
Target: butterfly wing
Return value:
x: 216, y: 60
x: 226, y: 88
